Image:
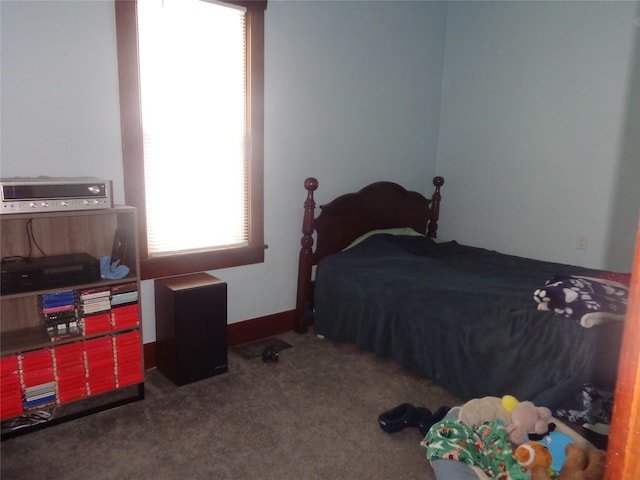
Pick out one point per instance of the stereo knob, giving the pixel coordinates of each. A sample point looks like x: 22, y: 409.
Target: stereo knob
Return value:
x: 33, y: 205
x: 44, y: 204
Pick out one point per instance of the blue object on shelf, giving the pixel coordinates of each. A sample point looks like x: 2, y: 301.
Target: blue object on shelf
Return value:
x: 112, y: 270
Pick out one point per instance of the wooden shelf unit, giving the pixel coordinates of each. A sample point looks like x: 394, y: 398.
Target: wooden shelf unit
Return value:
x: 22, y: 326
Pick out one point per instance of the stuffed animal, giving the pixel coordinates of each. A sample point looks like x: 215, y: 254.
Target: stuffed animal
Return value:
x: 557, y: 442
x: 527, y: 418
x: 485, y: 409
x: 548, y: 451
x: 533, y: 455
x: 509, y: 402
x: 578, y: 465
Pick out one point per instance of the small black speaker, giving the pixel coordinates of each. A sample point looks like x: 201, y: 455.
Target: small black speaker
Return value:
x: 191, y: 327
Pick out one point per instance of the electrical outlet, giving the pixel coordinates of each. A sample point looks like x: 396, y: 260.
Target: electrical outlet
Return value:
x: 581, y: 243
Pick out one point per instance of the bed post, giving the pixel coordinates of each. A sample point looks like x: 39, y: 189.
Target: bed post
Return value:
x: 432, y: 225
x: 305, y: 260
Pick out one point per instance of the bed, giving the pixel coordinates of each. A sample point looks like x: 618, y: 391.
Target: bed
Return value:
x: 464, y: 317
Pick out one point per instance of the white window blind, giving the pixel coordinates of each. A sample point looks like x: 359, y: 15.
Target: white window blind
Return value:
x: 193, y: 99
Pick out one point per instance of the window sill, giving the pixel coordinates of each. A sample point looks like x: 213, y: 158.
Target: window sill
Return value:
x: 181, y: 264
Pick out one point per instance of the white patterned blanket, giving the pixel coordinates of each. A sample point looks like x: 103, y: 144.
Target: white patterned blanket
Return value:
x: 589, y: 301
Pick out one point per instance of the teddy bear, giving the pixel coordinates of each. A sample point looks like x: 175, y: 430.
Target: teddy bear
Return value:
x: 578, y: 465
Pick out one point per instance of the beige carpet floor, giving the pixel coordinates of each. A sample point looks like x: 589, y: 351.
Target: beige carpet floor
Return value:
x: 312, y: 415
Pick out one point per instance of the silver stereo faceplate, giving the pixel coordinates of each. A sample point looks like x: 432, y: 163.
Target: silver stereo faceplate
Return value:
x: 51, y: 194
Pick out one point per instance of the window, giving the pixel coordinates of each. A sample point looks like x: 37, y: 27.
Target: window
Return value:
x: 191, y: 99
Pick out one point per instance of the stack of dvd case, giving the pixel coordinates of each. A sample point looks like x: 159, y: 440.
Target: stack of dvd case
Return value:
x: 125, y: 311
x: 10, y: 387
x: 38, y: 379
x: 59, y: 314
x: 128, y: 358
x: 124, y: 294
x: 94, y: 305
x: 70, y: 371
x: 100, y: 365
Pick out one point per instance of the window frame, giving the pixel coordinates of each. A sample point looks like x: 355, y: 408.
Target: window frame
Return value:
x: 133, y: 151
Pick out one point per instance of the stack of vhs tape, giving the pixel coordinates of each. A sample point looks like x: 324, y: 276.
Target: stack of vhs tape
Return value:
x: 70, y: 371
x: 128, y: 358
x: 100, y: 365
x: 10, y: 387
x: 38, y: 379
x: 59, y: 314
x: 94, y: 306
x: 125, y: 312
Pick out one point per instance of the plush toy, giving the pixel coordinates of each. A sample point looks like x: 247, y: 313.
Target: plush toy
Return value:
x: 533, y: 455
x: 485, y: 409
x: 548, y: 451
x: 557, y: 443
x: 509, y: 402
x: 527, y: 418
x: 578, y: 465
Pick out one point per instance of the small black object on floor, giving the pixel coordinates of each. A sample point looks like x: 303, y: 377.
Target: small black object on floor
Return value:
x: 406, y: 415
x: 257, y: 349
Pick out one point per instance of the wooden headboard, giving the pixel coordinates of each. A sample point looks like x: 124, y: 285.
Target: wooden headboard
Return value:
x: 376, y: 206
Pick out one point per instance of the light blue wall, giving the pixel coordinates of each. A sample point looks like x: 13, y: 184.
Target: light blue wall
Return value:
x: 539, y: 135
x: 626, y: 194
x: 339, y: 107
x: 536, y: 137
x: 352, y: 95
x: 59, y: 90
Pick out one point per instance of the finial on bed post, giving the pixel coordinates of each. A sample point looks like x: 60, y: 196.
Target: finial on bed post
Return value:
x: 305, y: 260
x: 432, y: 226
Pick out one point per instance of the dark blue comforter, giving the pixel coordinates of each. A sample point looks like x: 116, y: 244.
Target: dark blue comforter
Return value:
x: 464, y: 317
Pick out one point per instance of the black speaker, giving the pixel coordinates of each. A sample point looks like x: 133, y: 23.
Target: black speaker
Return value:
x: 191, y: 327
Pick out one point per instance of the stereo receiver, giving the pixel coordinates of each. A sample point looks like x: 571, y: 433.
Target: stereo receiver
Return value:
x: 50, y: 194
x: 54, y: 271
